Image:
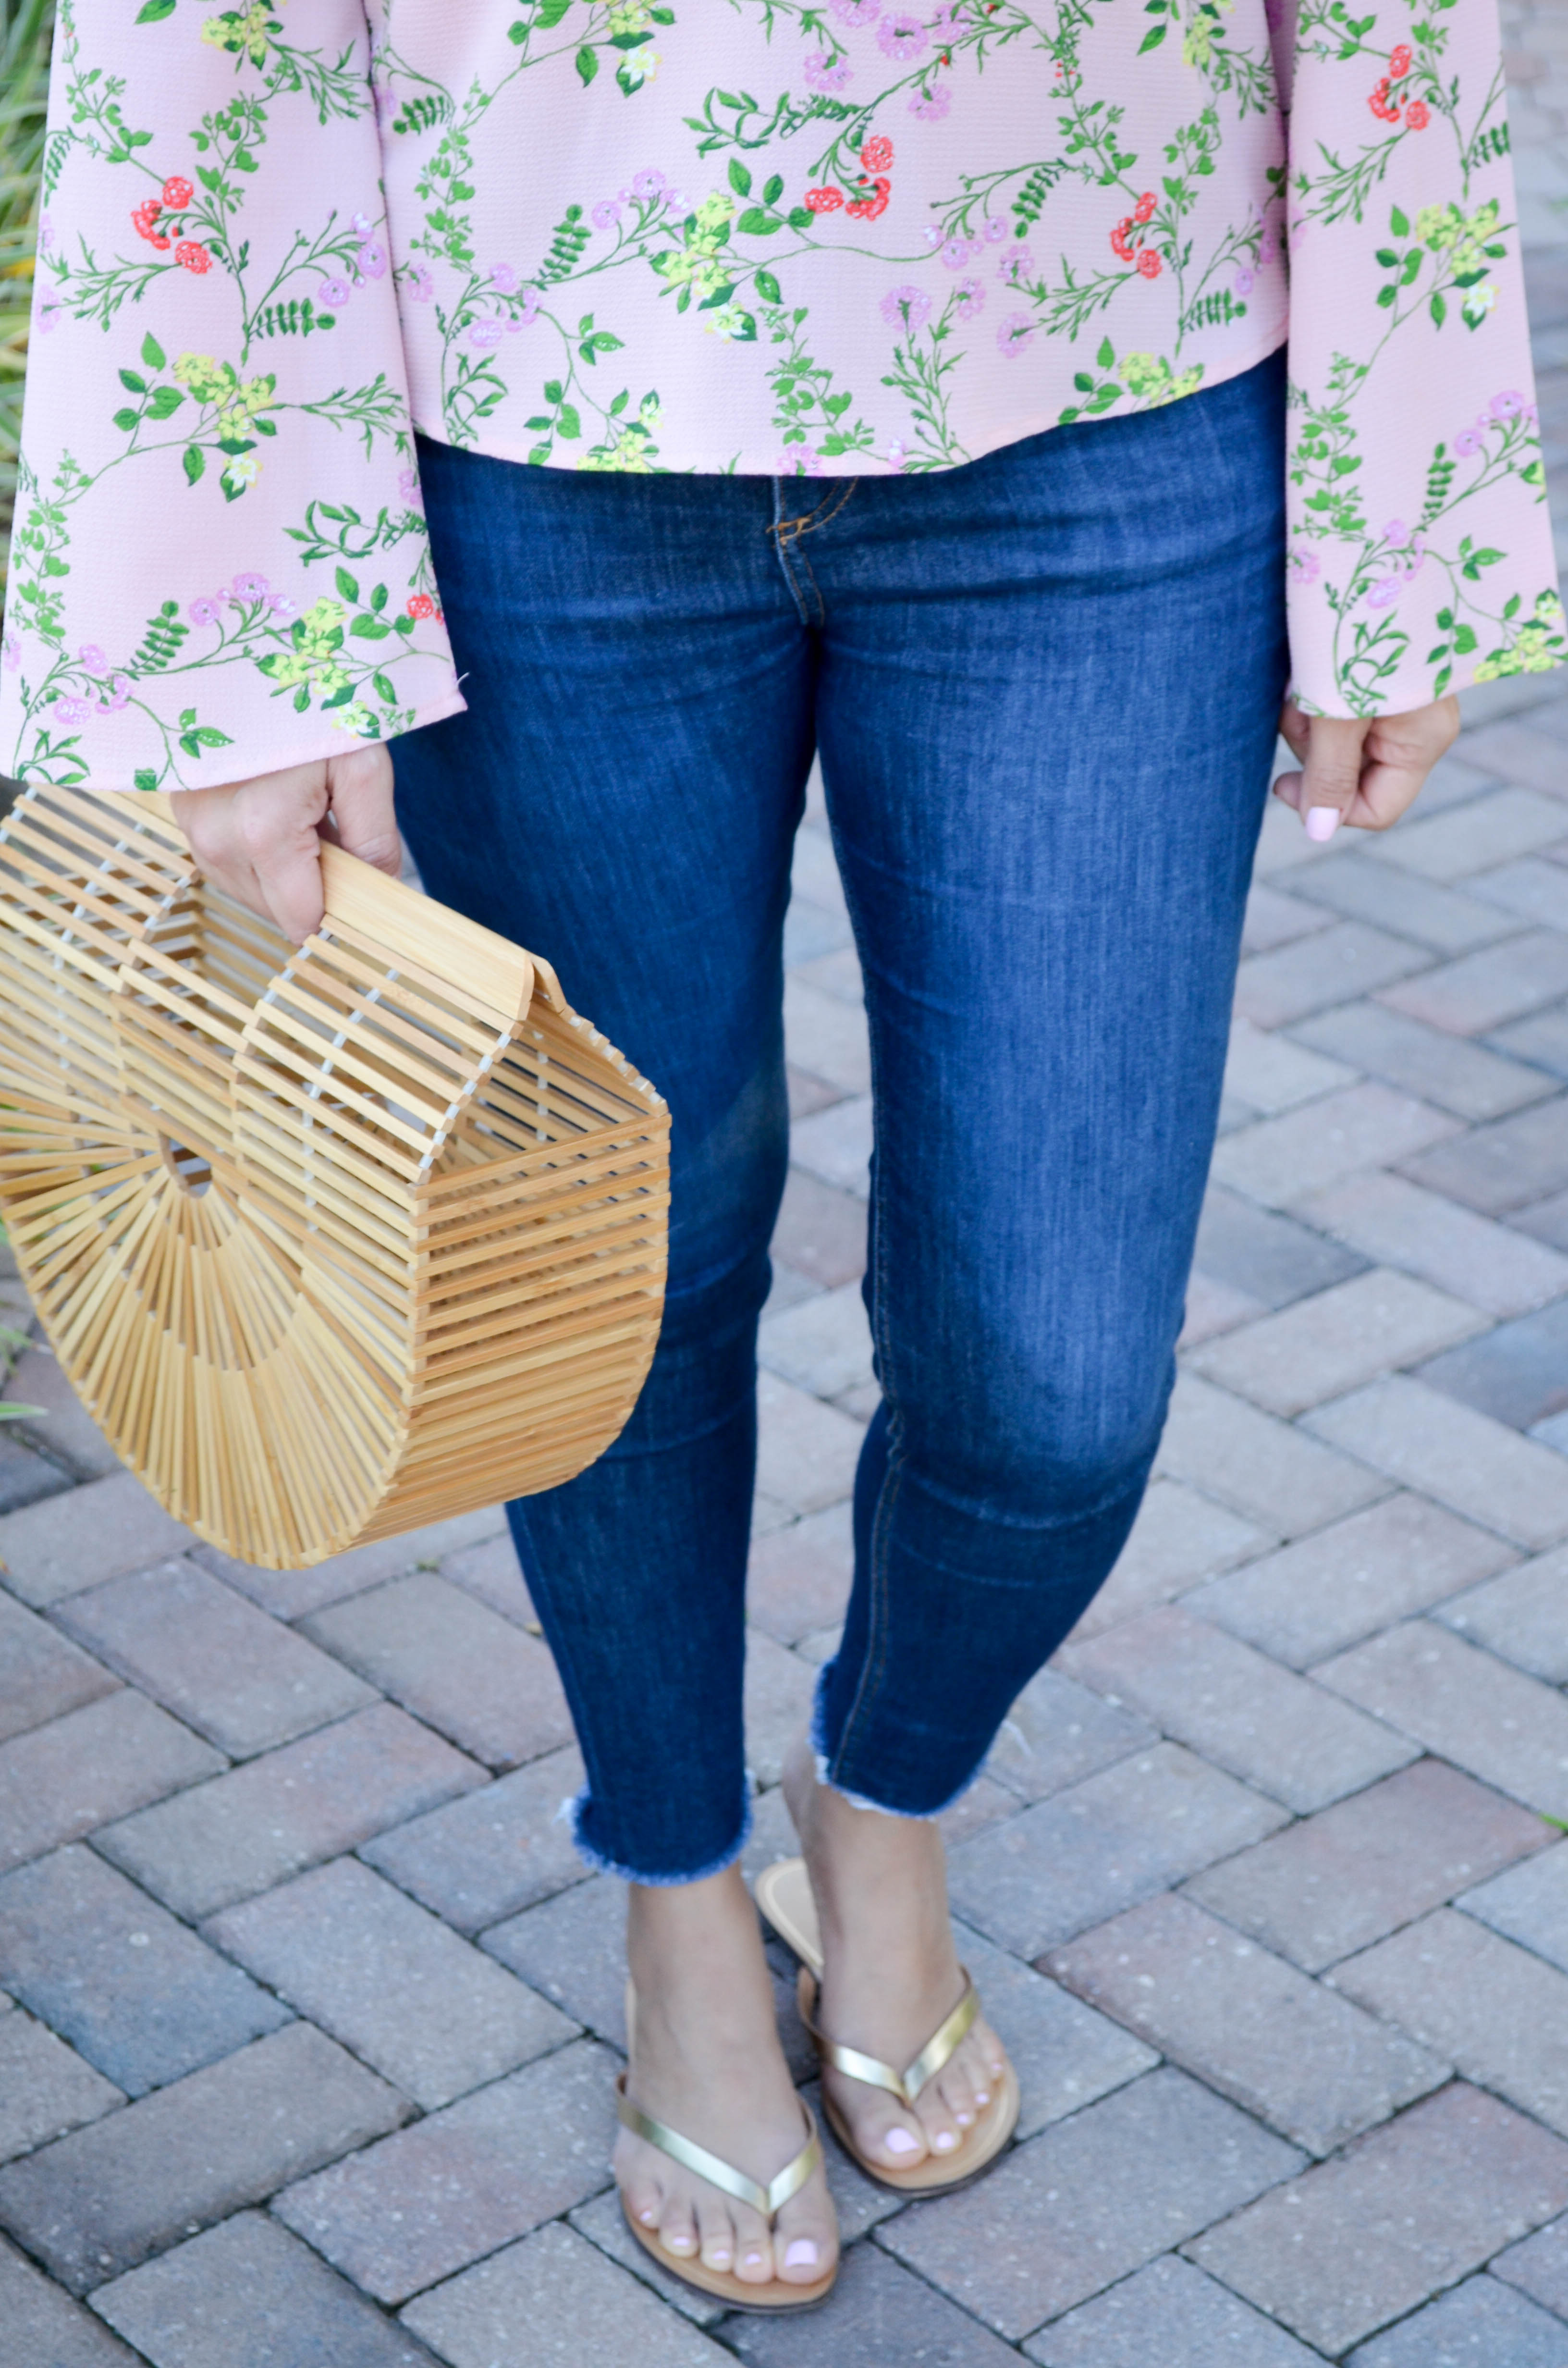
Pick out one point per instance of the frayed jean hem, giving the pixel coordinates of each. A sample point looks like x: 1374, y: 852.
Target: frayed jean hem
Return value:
x: 858, y: 1800
x: 573, y: 1809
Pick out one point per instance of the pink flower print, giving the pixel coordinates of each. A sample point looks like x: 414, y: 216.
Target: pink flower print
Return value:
x: 798, y: 464
x: 281, y: 605
x: 484, y: 337
x: 333, y: 293
x: 901, y: 36
x: 526, y: 314
x: 1305, y: 566
x: 1467, y: 442
x: 91, y: 656
x: 203, y: 611
x: 422, y: 288
x: 996, y: 231
x: 1243, y: 283
x: 932, y: 235
x: 363, y: 227
x: 604, y: 216
x: 932, y: 107
x: 45, y: 235
x: 649, y: 184
x: 906, y: 307
x: 503, y: 278
x: 1015, y: 267
x: 47, y: 318
x: 955, y: 254
x: 119, y: 696
x: 1384, y: 592
x: 1506, y: 405
x: 409, y: 483
x: 856, y: 13
x: 824, y: 73
x: 898, y: 453
x: 13, y: 652
x: 250, y: 587
x: 1014, y: 334
x: 73, y: 711
x: 1396, y: 533
x: 373, y: 259
x: 969, y: 298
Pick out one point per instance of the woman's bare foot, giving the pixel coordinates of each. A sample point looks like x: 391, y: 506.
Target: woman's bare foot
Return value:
x: 707, y: 2061
x: 892, y: 1972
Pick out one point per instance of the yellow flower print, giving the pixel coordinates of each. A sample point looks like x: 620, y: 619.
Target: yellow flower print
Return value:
x: 242, y: 29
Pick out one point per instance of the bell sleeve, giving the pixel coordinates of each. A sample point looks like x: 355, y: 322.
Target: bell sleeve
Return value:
x: 1420, y: 551
x: 219, y: 564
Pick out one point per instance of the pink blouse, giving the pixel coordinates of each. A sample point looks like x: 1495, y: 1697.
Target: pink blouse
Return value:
x: 730, y: 234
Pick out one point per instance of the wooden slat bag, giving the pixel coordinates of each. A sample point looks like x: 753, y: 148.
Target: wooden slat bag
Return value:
x: 331, y: 1241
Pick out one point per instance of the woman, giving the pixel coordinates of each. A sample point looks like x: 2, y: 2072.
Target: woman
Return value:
x: 908, y: 385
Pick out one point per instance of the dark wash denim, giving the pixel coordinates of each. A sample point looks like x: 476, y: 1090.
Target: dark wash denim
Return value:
x: 1044, y: 689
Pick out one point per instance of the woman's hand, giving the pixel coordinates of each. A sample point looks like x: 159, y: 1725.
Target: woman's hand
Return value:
x: 260, y: 841
x: 1362, y: 773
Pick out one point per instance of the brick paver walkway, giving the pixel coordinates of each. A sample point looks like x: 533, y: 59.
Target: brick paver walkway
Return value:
x: 308, y: 2013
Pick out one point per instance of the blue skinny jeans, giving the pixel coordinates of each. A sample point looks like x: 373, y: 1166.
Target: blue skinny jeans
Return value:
x: 1043, y: 686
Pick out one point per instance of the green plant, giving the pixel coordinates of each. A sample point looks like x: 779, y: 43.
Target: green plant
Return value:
x: 25, y: 29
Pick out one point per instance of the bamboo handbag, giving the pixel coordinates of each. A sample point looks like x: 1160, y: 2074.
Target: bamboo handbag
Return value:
x: 331, y: 1241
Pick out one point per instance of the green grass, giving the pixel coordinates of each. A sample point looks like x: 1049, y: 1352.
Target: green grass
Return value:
x: 24, y: 87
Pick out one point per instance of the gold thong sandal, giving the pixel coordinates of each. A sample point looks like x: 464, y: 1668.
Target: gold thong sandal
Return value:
x: 784, y: 1896
x: 777, y: 2294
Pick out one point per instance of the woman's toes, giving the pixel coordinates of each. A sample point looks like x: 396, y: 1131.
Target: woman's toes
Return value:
x: 754, y: 2253
x: 802, y: 2241
x: 943, y: 2135
x: 716, y: 2230
x: 954, y: 2088
x: 677, y: 2228
x: 884, y: 2129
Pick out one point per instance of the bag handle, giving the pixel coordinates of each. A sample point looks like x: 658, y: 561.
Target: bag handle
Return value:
x: 484, y: 967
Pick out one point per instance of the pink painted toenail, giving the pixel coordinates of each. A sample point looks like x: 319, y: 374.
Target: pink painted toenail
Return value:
x: 983, y: 2096
x: 800, y: 2255
x: 944, y: 2142
x: 752, y: 2260
x: 646, y: 2218
x: 902, y: 2141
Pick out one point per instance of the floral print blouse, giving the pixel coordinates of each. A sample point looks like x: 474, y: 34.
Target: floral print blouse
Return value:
x: 804, y: 236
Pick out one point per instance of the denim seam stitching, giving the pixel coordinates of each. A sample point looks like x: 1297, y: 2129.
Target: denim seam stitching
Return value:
x: 878, y: 1642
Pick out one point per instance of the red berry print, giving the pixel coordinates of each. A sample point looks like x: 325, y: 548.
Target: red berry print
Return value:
x: 194, y: 255
x: 178, y: 192
x: 421, y: 605
x: 1148, y: 264
x: 874, y: 203
x: 1144, y: 208
x: 1418, y: 116
x: 877, y: 155
x: 824, y: 201
x: 1399, y: 59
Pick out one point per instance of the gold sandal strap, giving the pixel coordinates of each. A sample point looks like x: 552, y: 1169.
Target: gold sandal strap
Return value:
x: 906, y: 2085
x: 769, y: 2199
x: 943, y: 2041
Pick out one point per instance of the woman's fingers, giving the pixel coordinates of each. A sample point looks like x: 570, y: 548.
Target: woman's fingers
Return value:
x: 259, y: 841
x: 360, y: 786
x: 1324, y: 791
x: 1362, y: 773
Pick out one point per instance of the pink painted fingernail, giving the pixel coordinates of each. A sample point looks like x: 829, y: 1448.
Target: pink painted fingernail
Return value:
x: 800, y: 2254
x: 1321, y: 822
x: 944, y: 2142
x: 902, y: 2141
